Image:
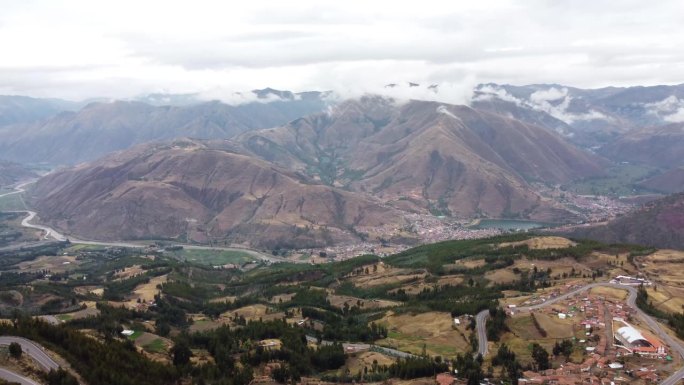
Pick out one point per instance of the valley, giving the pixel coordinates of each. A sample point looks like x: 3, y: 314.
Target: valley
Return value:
x: 420, y: 303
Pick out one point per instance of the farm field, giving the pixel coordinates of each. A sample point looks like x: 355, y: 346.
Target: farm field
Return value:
x: 433, y: 330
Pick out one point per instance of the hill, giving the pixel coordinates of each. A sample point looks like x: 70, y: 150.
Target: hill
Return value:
x: 11, y: 172
x: 16, y: 109
x: 661, y: 146
x: 100, y: 128
x: 588, y: 117
x: 659, y: 223
x: 449, y: 159
x: 669, y: 182
x: 208, y: 192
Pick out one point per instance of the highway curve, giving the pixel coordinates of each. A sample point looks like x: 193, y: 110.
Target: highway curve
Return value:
x: 33, y: 350
x: 10, y: 376
x: 481, y: 323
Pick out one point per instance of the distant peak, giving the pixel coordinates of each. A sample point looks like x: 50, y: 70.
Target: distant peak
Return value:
x: 268, y: 93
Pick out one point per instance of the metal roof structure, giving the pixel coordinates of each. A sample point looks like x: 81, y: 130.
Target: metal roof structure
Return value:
x: 631, y: 335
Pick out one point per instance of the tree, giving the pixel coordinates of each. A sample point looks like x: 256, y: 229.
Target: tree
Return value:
x: 181, y: 354
x: 540, y: 356
x: 15, y: 350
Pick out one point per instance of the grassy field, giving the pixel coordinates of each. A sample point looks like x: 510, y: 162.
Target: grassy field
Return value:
x: 136, y: 334
x: 156, y: 346
x: 12, y: 203
x: 214, y: 257
x: 64, y: 317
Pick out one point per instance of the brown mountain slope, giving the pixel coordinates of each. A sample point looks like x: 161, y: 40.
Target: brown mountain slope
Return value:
x: 659, y: 224
x: 201, y: 191
x: 661, y: 146
x: 669, y: 182
x: 450, y: 158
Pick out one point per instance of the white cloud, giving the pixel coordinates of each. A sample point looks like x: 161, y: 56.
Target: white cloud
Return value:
x: 548, y: 95
x: 670, y: 109
x: 79, y: 48
x: 554, y: 101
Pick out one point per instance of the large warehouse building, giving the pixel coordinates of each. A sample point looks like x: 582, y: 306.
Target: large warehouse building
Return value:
x: 635, y: 341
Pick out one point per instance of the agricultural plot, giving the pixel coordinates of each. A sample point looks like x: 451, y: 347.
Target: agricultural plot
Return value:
x: 434, y: 331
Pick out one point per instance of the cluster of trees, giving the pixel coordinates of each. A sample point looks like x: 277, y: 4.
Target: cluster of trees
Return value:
x: 496, y: 324
x: 469, y: 368
x: 115, y: 362
x: 563, y: 348
x: 296, y: 356
x: 507, y: 359
x: 541, y: 357
x: 415, y: 367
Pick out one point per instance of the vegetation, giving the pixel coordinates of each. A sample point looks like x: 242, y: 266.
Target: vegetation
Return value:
x: 300, y: 323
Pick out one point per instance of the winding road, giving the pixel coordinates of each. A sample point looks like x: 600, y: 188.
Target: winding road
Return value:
x: 33, y: 350
x: 675, y: 345
x: 10, y: 376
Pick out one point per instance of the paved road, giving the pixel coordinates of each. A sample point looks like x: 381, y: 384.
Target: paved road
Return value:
x: 10, y: 376
x: 674, y: 344
x: 34, y: 350
x: 481, y: 327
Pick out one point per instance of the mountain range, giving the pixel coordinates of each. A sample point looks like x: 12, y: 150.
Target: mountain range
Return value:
x: 71, y: 137
x: 312, y: 170
x: 588, y: 117
x: 349, y: 173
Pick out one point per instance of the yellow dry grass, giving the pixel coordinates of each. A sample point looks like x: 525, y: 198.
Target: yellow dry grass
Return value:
x: 356, y: 362
x: 665, y: 266
x: 144, y: 292
x: 542, y: 243
x: 467, y: 263
x: 386, y: 279
x: 435, y: 330
x: 282, y: 298
x: 56, y: 264
x: 228, y: 298
x: 254, y: 312
x: 610, y: 292
x: 501, y: 276
x: 340, y: 300
x: 128, y: 272
x: 201, y: 357
x: 452, y: 280
x: 666, y: 269
x: 148, y: 290
x: 413, y: 288
x: 555, y: 327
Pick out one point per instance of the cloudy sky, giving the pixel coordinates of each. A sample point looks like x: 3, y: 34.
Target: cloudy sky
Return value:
x: 82, y: 49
